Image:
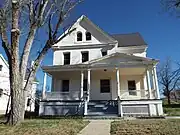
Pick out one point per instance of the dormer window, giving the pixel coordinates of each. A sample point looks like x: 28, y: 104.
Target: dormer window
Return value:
x: 79, y: 36
x: 88, y: 36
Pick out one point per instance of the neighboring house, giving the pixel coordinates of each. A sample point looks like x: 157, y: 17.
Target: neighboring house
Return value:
x: 94, y: 73
x: 5, y: 89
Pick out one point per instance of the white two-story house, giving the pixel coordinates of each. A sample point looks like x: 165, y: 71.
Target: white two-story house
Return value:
x: 5, y: 89
x: 94, y: 73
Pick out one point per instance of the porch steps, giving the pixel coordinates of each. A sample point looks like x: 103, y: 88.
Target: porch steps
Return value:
x: 102, y: 108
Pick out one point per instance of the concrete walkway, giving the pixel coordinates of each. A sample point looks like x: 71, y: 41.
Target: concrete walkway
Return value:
x: 97, y: 127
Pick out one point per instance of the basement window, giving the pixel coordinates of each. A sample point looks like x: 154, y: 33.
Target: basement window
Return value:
x: 132, y: 88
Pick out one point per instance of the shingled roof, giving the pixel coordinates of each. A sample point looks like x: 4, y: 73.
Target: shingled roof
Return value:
x: 132, y: 39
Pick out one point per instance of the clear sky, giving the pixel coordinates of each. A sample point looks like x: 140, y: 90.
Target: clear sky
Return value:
x: 160, y: 30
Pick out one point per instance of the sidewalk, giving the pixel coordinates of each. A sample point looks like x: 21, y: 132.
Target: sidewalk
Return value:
x: 97, y: 127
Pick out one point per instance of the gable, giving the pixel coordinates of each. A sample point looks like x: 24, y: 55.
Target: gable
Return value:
x: 83, y: 25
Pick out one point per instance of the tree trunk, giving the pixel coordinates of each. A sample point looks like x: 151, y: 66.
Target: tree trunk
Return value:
x: 16, y: 83
x: 169, y: 100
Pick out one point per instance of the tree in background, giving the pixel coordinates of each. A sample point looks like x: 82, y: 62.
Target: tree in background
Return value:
x: 169, y: 78
x: 21, y: 22
x: 171, y: 6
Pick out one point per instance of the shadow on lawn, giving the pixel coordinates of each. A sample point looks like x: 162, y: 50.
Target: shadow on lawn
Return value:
x: 172, y: 106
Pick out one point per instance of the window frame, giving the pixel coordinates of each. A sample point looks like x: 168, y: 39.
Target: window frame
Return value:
x: 88, y: 36
x: 83, y: 54
x: 79, y: 38
x: 132, y: 89
x: 104, y: 87
x: 63, y: 89
x: 65, y: 59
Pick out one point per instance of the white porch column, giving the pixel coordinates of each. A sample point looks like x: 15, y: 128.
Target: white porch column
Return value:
x: 44, y: 86
x: 120, y: 111
x: 82, y: 84
x: 89, y: 84
x: 118, y: 82
x: 148, y: 83
x: 156, y: 82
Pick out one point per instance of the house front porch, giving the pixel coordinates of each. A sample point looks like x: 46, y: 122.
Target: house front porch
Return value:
x: 129, y: 88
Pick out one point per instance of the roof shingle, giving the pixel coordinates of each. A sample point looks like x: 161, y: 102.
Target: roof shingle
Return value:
x: 132, y: 39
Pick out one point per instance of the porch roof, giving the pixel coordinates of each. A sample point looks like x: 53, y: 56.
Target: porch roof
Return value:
x: 114, y: 60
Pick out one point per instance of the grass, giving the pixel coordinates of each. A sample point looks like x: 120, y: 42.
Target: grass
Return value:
x: 45, y: 127
x: 172, y: 109
x: 146, y: 127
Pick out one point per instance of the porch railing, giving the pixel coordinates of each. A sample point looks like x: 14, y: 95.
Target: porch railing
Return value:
x: 71, y: 95
x: 136, y: 94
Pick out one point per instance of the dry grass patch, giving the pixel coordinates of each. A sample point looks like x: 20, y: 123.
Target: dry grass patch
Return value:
x: 45, y: 127
x: 145, y: 127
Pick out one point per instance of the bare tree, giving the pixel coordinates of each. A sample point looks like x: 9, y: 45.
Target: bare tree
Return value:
x: 169, y: 78
x: 171, y: 6
x: 18, y: 17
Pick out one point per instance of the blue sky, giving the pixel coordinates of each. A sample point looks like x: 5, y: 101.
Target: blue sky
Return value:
x: 160, y: 30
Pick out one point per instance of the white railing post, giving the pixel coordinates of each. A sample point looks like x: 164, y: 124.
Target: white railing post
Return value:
x: 44, y: 86
x: 82, y: 84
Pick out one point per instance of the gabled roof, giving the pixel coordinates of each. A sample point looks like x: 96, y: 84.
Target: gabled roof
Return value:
x: 85, y: 19
x: 132, y: 39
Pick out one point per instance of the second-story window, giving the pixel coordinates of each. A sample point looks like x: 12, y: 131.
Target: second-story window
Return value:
x: 67, y: 58
x: 85, y: 56
x: 79, y: 36
x: 88, y: 36
x: 104, y: 53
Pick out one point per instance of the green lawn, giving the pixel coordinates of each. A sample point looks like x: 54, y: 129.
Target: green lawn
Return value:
x: 173, y: 109
x: 146, y: 127
x: 45, y: 127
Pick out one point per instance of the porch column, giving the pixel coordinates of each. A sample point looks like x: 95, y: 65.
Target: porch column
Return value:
x: 82, y: 84
x: 118, y: 82
x: 89, y: 84
x: 44, y: 86
x: 148, y: 83
x: 156, y: 82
